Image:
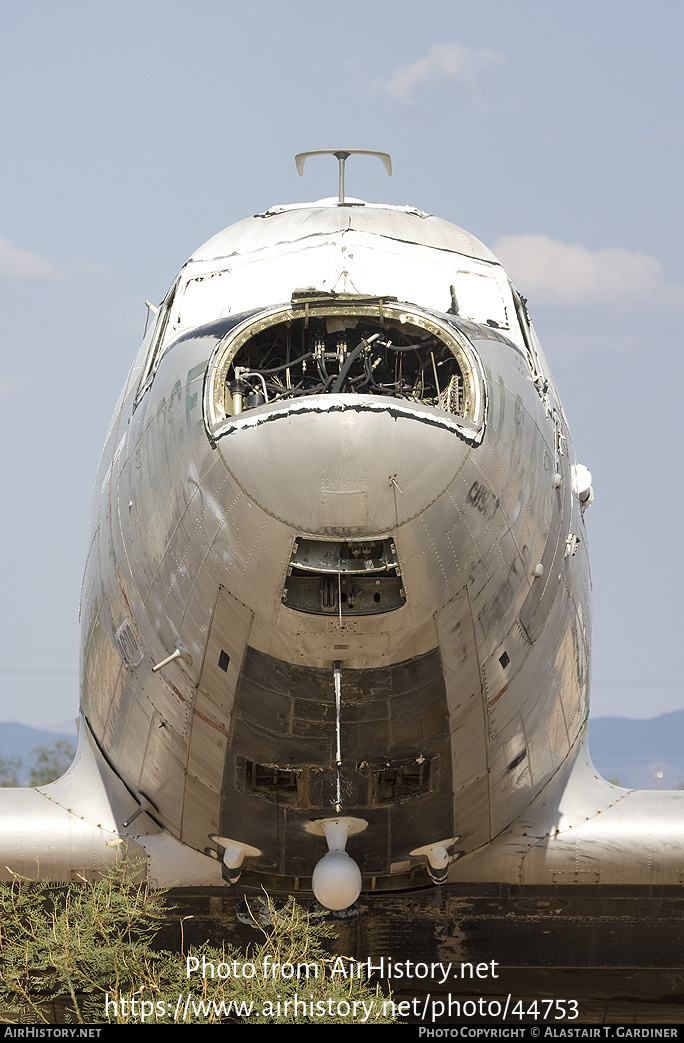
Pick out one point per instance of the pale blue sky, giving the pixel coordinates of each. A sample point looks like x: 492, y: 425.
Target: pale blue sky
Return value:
x: 131, y: 132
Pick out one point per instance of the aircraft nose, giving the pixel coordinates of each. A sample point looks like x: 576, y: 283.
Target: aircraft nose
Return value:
x: 343, y: 416
x: 334, y: 467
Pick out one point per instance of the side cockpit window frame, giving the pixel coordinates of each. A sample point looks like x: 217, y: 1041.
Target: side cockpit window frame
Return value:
x: 534, y: 362
x: 155, y: 352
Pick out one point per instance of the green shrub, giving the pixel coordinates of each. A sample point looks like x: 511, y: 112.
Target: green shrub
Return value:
x: 84, y: 953
x: 46, y: 764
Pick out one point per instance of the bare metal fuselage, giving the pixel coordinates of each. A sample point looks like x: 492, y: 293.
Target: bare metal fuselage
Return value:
x: 417, y: 520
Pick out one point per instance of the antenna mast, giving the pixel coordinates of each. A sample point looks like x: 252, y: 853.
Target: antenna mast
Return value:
x: 342, y: 155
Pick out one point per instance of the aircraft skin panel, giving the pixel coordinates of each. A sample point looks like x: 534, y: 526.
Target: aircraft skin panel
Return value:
x: 346, y: 252
x: 162, y: 767
x: 338, y: 485
x: 584, y: 830
x: 469, y: 752
x: 338, y: 506
x: 211, y: 718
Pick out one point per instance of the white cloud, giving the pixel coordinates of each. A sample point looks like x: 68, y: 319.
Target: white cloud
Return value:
x: 551, y: 272
x: 447, y: 64
x: 22, y: 264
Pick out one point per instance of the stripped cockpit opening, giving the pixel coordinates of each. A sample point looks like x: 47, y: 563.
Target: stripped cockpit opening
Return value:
x: 348, y: 355
x: 350, y: 346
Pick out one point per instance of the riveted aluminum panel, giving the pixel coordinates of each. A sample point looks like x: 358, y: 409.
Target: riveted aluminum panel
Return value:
x: 211, y: 716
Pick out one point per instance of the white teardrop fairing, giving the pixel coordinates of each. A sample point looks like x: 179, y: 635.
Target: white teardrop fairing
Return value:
x: 336, y: 880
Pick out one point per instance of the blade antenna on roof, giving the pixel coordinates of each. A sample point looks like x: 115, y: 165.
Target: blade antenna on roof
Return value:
x: 342, y: 155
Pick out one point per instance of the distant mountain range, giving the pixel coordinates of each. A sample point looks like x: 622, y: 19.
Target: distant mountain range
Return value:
x: 634, y: 751
x: 624, y: 750
x: 17, y: 740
